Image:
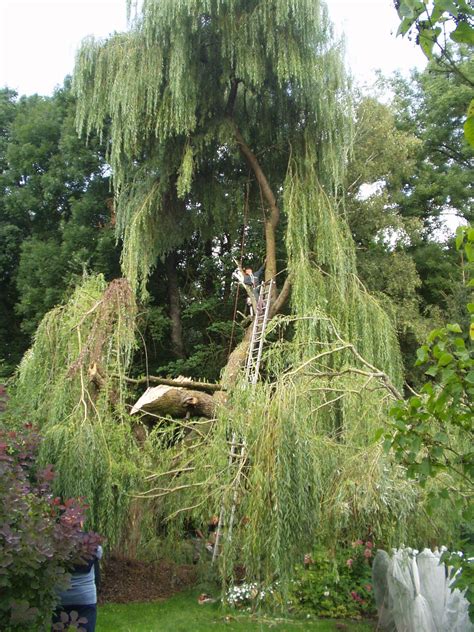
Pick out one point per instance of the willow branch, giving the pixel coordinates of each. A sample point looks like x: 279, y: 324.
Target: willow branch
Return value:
x: 260, y: 176
x: 281, y: 298
x: 152, y: 379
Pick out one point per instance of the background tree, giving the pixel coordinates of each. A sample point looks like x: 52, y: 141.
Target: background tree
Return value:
x: 382, y: 161
x: 10, y: 239
x: 435, y: 24
x: 418, y: 167
x: 438, y: 192
x: 55, y: 212
x: 432, y: 432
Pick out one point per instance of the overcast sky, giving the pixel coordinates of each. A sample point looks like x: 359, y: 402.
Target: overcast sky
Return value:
x: 38, y: 38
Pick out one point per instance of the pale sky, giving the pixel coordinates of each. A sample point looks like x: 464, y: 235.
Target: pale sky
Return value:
x: 38, y: 38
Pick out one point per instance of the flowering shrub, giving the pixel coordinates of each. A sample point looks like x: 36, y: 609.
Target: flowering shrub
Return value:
x: 339, y: 586
x: 248, y: 595
x: 40, y: 537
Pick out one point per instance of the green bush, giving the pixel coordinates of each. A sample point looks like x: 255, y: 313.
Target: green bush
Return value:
x: 40, y: 538
x: 338, y: 585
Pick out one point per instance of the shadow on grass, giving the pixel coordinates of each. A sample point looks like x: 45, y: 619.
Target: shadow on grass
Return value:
x: 182, y: 613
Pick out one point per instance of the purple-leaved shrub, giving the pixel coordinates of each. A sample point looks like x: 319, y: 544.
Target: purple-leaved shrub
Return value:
x: 40, y: 536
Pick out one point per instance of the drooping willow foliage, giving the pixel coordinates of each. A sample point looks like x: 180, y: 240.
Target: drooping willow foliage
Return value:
x: 293, y: 459
x: 162, y: 93
x: 323, y: 262
x: 65, y: 386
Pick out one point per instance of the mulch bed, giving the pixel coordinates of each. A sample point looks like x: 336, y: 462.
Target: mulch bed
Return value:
x: 125, y: 580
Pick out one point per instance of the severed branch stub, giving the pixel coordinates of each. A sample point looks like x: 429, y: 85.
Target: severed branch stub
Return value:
x: 177, y: 402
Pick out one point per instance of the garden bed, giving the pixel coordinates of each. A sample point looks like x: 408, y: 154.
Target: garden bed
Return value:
x: 125, y: 580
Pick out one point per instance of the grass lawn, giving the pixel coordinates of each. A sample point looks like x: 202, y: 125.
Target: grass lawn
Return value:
x: 182, y: 613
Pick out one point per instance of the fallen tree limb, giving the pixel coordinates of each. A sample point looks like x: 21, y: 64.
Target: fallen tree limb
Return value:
x: 176, y: 402
x: 152, y: 379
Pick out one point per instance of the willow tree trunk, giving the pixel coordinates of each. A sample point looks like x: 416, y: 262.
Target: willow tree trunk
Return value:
x: 174, y: 306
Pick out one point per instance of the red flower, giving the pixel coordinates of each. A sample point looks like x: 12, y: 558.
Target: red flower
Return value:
x: 349, y: 563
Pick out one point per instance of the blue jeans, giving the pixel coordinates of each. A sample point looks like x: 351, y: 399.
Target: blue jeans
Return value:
x: 88, y: 612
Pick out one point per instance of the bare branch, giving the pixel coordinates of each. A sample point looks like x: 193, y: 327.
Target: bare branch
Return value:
x: 199, y: 386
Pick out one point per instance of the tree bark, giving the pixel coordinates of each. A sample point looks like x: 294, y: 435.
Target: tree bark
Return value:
x: 209, y: 278
x: 174, y: 306
x: 234, y: 365
x: 281, y: 299
x: 181, y: 402
x: 272, y: 216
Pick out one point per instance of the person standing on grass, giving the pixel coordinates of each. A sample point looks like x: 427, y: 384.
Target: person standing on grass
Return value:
x: 81, y: 595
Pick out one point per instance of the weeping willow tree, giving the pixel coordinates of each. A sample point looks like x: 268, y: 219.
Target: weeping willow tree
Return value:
x: 64, y: 386
x: 196, y: 99
x: 191, y: 95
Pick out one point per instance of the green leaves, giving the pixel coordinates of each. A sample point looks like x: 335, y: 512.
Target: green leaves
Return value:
x: 447, y: 5
x: 463, y: 34
x: 445, y: 359
x: 432, y: 433
x: 469, y: 124
x: 410, y: 8
x: 429, y: 19
x: 427, y: 37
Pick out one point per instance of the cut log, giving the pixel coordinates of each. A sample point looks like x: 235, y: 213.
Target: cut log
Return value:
x: 176, y: 402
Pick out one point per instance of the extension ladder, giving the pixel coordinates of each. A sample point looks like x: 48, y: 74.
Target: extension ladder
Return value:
x: 252, y: 367
x: 252, y: 370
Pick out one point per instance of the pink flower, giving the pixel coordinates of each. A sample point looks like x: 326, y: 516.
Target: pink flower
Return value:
x: 369, y: 544
x: 367, y: 553
x: 357, y: 543
x: 349, y: 563
x: 356, y: 596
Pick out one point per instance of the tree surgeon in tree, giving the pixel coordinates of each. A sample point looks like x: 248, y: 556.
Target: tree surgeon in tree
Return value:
x: 200, y: 100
